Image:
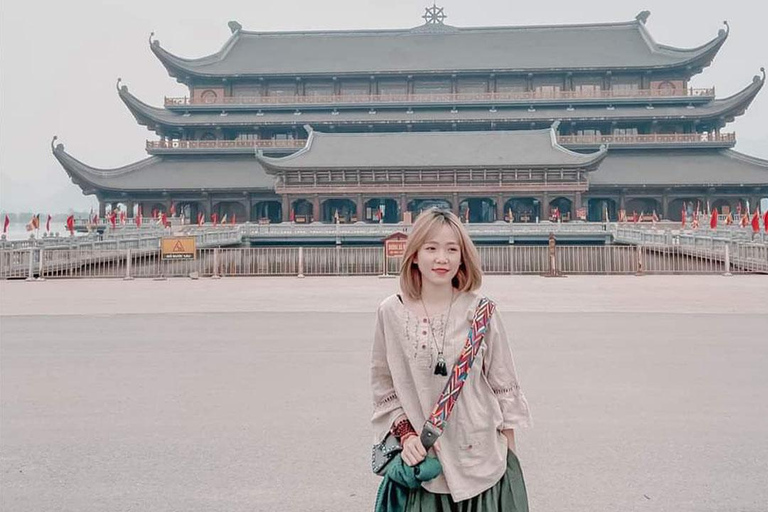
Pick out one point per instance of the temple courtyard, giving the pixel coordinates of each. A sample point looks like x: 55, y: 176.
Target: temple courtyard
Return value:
x: 251, y: 394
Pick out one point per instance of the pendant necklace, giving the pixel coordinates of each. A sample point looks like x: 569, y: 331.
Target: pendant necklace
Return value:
x: 440, y: 367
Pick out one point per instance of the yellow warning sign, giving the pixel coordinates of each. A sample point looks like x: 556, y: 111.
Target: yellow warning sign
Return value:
x: 178, y: 248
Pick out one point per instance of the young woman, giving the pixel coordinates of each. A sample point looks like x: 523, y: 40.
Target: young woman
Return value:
x: 419, y: 332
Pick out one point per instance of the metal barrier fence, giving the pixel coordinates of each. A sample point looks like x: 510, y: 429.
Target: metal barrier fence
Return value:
x: 340, y: 260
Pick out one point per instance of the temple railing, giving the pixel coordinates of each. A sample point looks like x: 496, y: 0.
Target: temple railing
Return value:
x: 567, y: 140
x: 658, y: 138
x: 352, y: 99
x: 225, y: 144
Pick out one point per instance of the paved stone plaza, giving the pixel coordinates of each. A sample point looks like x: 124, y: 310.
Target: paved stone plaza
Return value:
x: 648, y: 393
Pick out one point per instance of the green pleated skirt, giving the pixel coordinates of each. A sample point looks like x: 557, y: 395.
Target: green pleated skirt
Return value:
x: 508, y: 495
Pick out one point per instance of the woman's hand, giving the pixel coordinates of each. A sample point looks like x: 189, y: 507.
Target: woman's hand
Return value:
x: 413, y: 451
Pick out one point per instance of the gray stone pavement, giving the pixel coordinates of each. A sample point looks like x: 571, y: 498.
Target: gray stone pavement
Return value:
x: 648, y: 393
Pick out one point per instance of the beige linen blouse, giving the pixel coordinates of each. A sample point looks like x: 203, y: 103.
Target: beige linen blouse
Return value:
x: 473, y: 449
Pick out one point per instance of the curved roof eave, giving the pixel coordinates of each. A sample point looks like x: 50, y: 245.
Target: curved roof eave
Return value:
x: 274, y: 165
x: 180, y: 67
x: 146, y: 115
x: 183, y: 68
x: 90, y: 179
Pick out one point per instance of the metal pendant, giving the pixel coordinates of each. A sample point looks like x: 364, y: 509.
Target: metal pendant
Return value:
x: 440, y: 368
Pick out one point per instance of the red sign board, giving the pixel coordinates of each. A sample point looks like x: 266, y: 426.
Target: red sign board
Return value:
x: 394, y: 245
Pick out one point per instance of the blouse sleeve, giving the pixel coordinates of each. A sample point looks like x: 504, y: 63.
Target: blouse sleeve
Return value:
x: 499, y: 368
x: 386, y: 404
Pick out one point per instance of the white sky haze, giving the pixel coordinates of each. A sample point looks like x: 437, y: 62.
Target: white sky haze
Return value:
x: 59, y: 63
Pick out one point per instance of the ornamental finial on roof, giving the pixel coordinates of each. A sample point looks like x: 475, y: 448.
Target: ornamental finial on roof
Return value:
x: 434, y: 15
x: 643, y: 16
x: 234, y: 26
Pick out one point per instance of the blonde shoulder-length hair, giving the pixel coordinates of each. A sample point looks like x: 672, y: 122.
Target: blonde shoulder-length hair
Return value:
x: 470, y: 274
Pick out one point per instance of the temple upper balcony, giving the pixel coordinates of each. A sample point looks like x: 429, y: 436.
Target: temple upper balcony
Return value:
x: 542, y: 96
x: 283, y: 147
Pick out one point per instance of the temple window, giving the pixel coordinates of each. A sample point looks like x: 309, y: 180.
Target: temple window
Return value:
x: 208, y: 96
x: 355, y: 87
x: 625, y: 131
x: 431, y: 86
x: 589, y: 131
x: 318, y: 88
x: 472, y: 85
x: 510, y: 84
x: 625, y: 88
x: 246, y: 90
x: 281, y: 88
x: 392, y: 86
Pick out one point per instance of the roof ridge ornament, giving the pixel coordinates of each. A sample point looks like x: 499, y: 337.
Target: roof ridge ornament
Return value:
x: 724, y: 31
x: 643, y: 16
x: 434, y: 15
x: 757, y: 77
x: 234, y: 26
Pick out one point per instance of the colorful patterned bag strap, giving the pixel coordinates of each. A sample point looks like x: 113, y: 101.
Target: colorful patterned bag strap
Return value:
x: 433, y: 428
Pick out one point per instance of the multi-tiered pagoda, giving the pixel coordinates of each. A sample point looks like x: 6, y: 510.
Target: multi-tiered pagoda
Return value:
x: 497, y: 123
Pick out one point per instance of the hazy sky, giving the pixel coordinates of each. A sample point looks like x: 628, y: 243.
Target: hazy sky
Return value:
x: 59, y: 62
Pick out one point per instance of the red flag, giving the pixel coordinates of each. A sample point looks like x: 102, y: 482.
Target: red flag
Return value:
x: 756, y: 222
x: 765, y: 221
x: 122, y: 218
x: 713, y: 219
x: 173, y: 210
x: 233, y: 218
x: 200, y: 219
x: 215, y: 219
x: 164, y: 220
x: 635, y: 217
x: 113, y: 219
x: 6, y: 223
x: 71, y: 225
x: 95, y: 218
x: 138, y: 218
x: 682, y: 217
x: 292, y: 218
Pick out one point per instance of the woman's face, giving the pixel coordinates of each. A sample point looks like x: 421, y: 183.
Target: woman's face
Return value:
x: 439, y: 257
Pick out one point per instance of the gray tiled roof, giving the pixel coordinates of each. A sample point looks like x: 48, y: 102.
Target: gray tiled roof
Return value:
x: 728, y: 107
x: 671, y: 167
x: 440, y: 49
x: 521, y: 148
x: 237, y: 172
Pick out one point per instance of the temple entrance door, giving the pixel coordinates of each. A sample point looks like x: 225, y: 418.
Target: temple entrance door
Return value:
x: 302, y: 212
x: 480, y: 209
x: 419, y: 205
x: 345, y: 209
x: 675, y: 209
x: 644, y: 205
x: 524, y: 209
x: 563, y: 206
x: 267, y: 211
x: 601, y: 210
x: 723, y: 206
x: 232, y: 210
x: 387, y: 207
x: 189, y: 212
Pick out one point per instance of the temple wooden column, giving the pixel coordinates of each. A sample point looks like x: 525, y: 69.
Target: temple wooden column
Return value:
x: 455, y: 204
x: 403, y: 206
x: 129, y: 207
x: 316, y: 213
x: 665, y: 204
x: 544, y: 209
x: 286, y: 201
x: 102, y: 209
x: 499, y: 207
x: 360, y: 207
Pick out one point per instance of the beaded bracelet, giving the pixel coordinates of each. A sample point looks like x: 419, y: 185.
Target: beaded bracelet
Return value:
x: 402, y: 430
